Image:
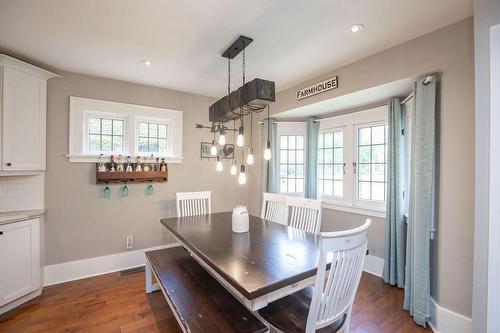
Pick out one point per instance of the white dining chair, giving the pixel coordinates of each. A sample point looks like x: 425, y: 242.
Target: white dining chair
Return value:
x: 274, y: 207
x: 304, y: 214
x: 193, y: 203
x: 329, y: 303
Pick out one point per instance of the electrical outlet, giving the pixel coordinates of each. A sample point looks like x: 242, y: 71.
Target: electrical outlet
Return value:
x: 129, y: 243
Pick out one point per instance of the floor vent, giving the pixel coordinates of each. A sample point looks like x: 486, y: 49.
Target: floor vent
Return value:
x: 132, y: 270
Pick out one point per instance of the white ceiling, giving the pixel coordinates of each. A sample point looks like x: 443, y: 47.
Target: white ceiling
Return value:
x: 294, y: 40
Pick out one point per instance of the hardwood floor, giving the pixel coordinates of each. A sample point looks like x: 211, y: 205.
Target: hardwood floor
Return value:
x: 114, y: 303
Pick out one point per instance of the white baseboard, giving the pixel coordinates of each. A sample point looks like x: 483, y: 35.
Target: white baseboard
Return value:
x: 447, y: 321
x: 79, y: 269
x: 374, y: 265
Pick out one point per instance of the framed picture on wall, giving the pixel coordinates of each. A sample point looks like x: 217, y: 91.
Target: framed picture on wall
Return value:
x: 225, y: 152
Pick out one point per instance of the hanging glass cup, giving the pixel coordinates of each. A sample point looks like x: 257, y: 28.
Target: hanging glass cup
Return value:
x: 149, y: 188
x: 124, y: 190
x: 106, y: 191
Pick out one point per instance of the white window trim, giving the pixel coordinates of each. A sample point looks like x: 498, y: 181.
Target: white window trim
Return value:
x: 81, y: 107
x: 291, y: 128
x: 348, y: 122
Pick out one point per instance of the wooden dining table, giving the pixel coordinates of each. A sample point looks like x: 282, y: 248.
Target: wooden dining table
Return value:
x: 268, y: 262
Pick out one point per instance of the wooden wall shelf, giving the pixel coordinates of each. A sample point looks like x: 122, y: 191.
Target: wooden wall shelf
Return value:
x: 131, y: 177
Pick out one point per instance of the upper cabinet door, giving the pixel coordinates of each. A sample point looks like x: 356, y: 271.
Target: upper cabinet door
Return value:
x: 23, y: 125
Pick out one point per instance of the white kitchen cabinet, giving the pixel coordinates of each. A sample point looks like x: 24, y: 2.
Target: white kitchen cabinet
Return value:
x: 23, y: 106
x: 20, y: 265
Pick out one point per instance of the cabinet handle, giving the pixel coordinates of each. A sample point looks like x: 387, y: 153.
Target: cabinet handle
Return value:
x: 8, y: 164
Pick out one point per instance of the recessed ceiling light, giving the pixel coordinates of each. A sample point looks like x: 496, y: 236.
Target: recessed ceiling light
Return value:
x: 147, y: 62
x: 356, y: 28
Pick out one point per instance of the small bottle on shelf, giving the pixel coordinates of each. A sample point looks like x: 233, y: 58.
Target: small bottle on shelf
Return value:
x: 101, y: 167
x: 112, y: 164
x: 119, y: 164
x: 145, y: 166
x: 152, y: 163
x: 163, y: 165
x: 157, y: 164
x: 138, y: 165
x: 129, y: 167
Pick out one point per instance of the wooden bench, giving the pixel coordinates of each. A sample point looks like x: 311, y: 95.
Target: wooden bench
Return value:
x: 198, y: 301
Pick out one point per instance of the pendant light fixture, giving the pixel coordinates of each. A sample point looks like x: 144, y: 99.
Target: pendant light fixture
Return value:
x: 240, y: 141
x: 233, y: 164
x: 219, y: 167
x: 222, y: 137
x: 267, y: 151
x: 250, y: 150
x: 242, y: 179
x: 233, y: 168
x: 213, y: 149
x: 251, y: 97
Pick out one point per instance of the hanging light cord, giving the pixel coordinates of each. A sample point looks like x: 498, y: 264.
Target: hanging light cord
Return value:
x: 251, y: 129
x: 268, y: 123
x: 234, y: 140
x: 243, y: 65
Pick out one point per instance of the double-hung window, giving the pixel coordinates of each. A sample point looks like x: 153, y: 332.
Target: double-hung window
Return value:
x: 371, y: 172
x: 105, y: 134
x: 152, y: 137
x: 292, y: 150
x: 331, y: 164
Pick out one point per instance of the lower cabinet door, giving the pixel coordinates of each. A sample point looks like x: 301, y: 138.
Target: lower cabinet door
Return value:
x: 19, y: 259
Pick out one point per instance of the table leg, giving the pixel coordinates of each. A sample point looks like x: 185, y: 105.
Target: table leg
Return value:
x: 150, y: 286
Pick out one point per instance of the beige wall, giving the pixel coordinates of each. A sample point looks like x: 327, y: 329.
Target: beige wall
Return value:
x: 450, y: 52
x: 79, y: 223
x: 336, y: 220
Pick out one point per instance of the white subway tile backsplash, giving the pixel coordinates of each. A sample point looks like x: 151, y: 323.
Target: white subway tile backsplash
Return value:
x: 21, y: 192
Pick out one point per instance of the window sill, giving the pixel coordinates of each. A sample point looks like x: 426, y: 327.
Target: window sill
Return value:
x: 355, y: 210
x: 95, y: 158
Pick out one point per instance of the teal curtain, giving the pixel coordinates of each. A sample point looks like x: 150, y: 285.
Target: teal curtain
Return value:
x: 311, y: 158
x: 269, y: 169
x: 421, y: 213
x: 395, y: 226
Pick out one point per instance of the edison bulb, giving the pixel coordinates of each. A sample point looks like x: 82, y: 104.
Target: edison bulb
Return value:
x: 213, y: 149
x: 242, y: 179
x: 219, y: 167
x: 222, y: 140
x: 233, y: 169
x: 240, y: 140
x: 250, y: 156
x: 267, y: 151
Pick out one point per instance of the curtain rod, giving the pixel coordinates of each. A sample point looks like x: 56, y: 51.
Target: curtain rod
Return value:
x: 261, y: 122
x: 407, y: 98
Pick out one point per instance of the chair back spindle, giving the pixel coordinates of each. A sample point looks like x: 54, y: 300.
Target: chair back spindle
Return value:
x: 304, y: 214
x: 274, y: 207
x: 193, y: 203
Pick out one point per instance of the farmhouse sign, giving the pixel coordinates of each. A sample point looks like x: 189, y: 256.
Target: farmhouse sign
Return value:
x: 318, y: 88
